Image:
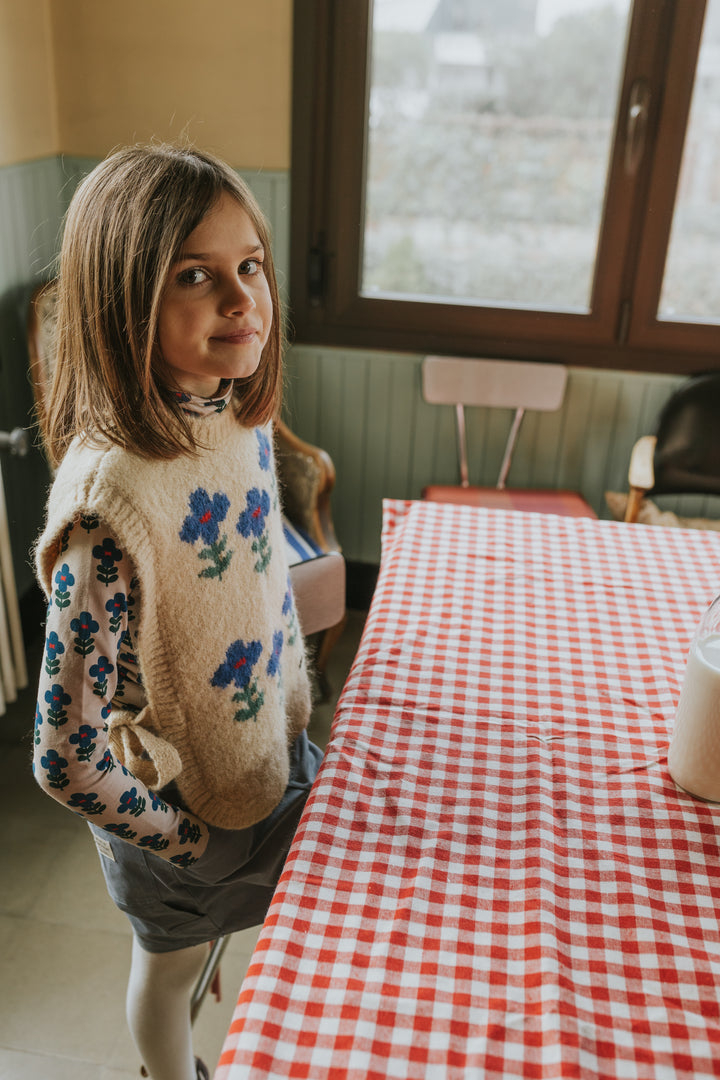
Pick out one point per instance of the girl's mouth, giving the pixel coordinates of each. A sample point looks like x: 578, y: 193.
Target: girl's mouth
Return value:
x: 241, y: 337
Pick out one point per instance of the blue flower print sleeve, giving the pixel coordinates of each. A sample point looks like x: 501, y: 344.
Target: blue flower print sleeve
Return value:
x: 89, y: 664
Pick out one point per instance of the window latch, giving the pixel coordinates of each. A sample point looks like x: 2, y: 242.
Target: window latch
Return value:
x: 636, y: 125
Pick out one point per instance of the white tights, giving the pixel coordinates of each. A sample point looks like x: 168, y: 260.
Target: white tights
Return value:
x: 158, y: 1009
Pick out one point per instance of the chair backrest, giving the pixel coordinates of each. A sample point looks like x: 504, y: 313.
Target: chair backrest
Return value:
x: 500, y: 384
x: 687, y: 450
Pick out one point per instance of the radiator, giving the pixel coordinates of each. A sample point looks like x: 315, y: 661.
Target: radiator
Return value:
x: 13, y: 667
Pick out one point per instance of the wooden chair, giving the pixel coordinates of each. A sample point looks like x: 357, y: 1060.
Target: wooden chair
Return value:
x: 683, y: 457
x: 317, y: 568
x: 306, y: 475
x: 506, y: 384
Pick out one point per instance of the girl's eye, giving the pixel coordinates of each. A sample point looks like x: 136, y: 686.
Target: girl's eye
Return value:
x: 250, y: 267
x: 195, y: 275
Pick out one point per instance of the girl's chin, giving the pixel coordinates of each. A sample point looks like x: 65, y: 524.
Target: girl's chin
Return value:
x: 209, y: 388
x: 244, y: 371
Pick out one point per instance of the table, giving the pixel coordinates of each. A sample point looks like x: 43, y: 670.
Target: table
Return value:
x: 495, y: 875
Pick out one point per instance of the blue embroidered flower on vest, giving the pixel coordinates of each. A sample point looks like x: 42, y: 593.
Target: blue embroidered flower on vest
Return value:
x: 54, y: 648
x: 252, y: 523
x: 240, y: 659
x: 83, y: 740
x: 203, y: 523
x: 252, y: 520
x: 264, y: 448
x: 287, y: 599
x: 288, y: 609
x: 274, y: 661
x: 237, y: 668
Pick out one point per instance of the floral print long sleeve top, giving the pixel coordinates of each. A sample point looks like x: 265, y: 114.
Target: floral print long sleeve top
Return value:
x: 90, y: 667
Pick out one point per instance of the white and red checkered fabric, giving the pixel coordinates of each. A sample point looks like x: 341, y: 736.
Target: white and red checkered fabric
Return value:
x: 495, y: 875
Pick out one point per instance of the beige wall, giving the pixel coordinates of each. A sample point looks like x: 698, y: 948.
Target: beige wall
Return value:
x: 82, y: 76
x: 28, y: 114
x: 218, y: 71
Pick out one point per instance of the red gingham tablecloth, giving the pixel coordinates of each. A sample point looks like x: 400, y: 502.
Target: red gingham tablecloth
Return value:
x: 495, y: 875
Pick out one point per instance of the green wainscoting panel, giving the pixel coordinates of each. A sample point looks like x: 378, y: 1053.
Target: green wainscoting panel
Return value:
x: 366, y: 409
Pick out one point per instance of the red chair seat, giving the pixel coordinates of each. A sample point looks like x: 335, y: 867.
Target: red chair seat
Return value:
x: 538, y: 501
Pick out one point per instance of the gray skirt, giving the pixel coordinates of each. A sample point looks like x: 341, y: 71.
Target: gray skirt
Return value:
x: 172, y: 908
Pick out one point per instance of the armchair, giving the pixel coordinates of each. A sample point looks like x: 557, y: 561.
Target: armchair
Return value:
x: 683, y: 456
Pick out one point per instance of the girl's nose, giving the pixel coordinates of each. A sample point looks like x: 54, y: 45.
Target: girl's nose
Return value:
x: 237, y: 298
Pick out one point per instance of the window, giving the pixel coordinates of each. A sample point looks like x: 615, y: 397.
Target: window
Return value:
x: 525, y: 178
x: 487, y: 147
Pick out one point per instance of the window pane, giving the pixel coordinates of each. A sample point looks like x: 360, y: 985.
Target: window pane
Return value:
x: 691, y: 287
x: 489, y: 131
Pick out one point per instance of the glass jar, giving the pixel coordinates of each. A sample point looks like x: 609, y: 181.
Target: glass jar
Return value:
x: 694, y: 754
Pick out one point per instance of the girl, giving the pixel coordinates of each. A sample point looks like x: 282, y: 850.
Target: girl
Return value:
x: 174, y: 697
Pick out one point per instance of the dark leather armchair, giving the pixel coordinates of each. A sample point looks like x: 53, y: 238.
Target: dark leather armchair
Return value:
x: 683, y: 456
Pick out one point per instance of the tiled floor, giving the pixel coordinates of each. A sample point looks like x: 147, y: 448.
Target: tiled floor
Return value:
x: 64, y: 947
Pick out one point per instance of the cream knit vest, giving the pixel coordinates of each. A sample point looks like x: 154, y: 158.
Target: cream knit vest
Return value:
x: 217, y: 637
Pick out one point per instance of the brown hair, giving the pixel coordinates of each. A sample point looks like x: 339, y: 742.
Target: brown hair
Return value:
x: 124, y: 229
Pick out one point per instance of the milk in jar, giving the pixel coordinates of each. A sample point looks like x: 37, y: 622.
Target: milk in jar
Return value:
x: 694, y: 755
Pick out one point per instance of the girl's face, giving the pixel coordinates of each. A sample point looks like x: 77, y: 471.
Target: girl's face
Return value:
x: 216, y: 309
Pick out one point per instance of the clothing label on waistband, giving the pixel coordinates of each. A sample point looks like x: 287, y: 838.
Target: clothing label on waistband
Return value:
x: 104, y: 847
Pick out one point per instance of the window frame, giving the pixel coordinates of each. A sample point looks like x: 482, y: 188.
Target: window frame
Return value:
x: 621, y: 331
